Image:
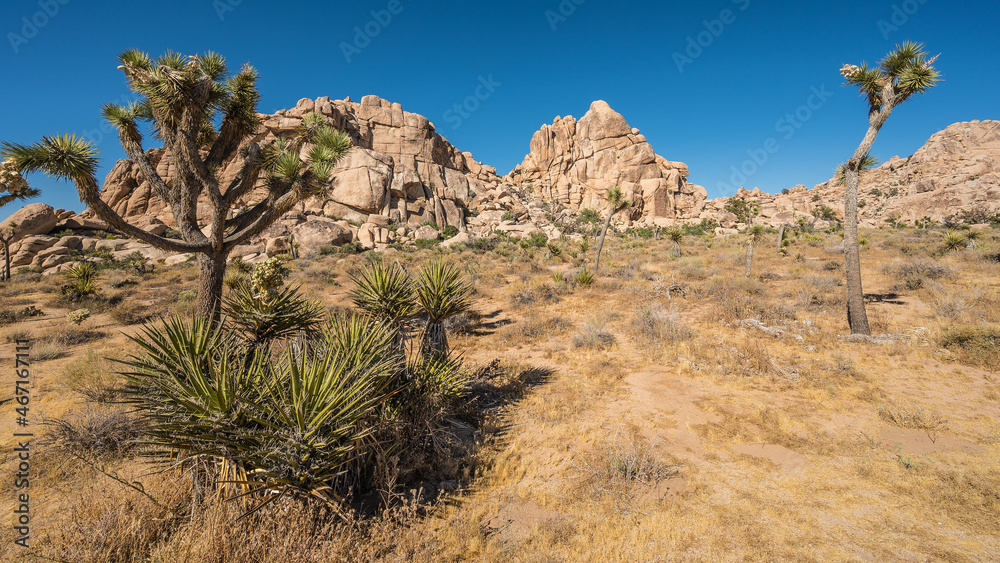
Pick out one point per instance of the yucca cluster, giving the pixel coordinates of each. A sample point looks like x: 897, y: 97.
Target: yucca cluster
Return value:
x: 275, y: 400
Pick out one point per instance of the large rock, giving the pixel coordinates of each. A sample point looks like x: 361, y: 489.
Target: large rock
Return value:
x: 32, y: 219
x: 575, y: 163
x: 398, y: 161
x: 317, y: 232
x: 957, y: 169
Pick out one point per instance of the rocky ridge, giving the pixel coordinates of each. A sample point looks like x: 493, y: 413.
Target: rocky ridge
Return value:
x: 402, y: 176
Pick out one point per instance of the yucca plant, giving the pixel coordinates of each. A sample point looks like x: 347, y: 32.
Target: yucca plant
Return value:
x: 81, y: 278
x: 972, y: 236
x: 386, y: 292
x: 293, y: 426
x: 260, y: 321
x: 442, y: 293
x: 905, y: 71
x: 676, y: 235
x: 953, y: 240
x: 584, y: 277
x: 206, y: 118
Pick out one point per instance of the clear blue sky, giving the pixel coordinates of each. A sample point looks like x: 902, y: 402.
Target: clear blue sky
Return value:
x: 761, y: 64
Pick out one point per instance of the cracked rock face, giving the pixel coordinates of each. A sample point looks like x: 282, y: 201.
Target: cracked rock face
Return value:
x: 575, y: 163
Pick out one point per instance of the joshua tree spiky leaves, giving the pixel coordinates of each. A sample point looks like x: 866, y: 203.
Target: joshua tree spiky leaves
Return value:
x: 905, y: 71
x: 206, y: 118
x: 616, y: 202
x: 676, y: 235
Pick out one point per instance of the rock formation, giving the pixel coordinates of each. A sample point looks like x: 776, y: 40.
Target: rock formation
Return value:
x: 956, y: 170
x: 575, y: 163
x: 400, y: 168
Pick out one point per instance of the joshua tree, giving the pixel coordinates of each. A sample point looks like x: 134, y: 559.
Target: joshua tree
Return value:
x: 755, y: 233
x: 676, y: 235
x: 616, y: 202
x: 6, y: 236
x: 206, y: 119
x: 386, y: 293
x: 902, y: 73
x: 12, y: 188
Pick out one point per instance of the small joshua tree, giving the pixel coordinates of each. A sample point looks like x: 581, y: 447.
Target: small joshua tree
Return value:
x: 208, y: 120
x: 676, y: 235
x: 12, y: 188
x: 442, y: 294
x: 616, y: 202
x: 755, y: 233
x: 902, y: 73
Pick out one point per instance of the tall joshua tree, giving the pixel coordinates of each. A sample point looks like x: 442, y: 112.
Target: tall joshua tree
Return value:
x: 902, y: 73
x: 616, y: 202
x: 206, y: 118
x: 755, y: 234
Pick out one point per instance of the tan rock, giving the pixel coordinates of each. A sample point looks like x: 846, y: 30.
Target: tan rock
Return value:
x: 32, y: 219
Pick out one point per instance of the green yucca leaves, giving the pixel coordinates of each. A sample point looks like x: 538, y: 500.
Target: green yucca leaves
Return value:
x: 868, y: 162
x: 442, y: 294
x: 386, y: 292
x: 257, y: 320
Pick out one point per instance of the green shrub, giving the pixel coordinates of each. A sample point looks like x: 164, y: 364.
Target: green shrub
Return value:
x: 584, y: 277
x: 509, y: 215
x: 589, y: 216
x: 327, y: 250
x: 535, y: 240
x: 427, y: 243
x: 449, y: 231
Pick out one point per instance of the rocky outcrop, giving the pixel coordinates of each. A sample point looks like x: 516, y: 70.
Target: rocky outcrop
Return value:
x: 32, y: 219
x: 400, y: 168
x: 575, y: 163
x: 957, y: 169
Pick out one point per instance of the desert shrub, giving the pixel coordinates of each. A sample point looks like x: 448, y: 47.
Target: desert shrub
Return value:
x: 93, y: 376
x: 653, y: 323
x: 584, y: 277
x: 974, y: 344
x: 914, y: 273
x: 589, y: 216
x: 464, y: 323
x: 426, y: 244
x: 705, y: 227
x: 593, y: 335
x: 623, y: 459
x: 737, y: 298
x: 953, y: 240
x: 78, y: 316
x: 129, y: 313
x: 449, y: 232
x: 692, y: 268
x: 825, y: 213
x: 535, y: 240
x: 911, y: 416
x: 8, y: 316
x: 95, y: 433
x: 81, y: 280
x: 187, y: 296
x: 327, y: 250
x: 533, y: 293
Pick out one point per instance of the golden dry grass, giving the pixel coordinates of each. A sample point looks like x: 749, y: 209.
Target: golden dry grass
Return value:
x: 662, y: 429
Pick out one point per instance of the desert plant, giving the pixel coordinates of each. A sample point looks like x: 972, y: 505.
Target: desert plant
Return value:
x: 78, y: 316
x: 953, y: 240
x: 755, y: 233
x: 901, y: 74
x: 205, y: 118
x: 268, y: 427
x: 616, y: 202
x: 676, y: 235
x: 441, y: 293
x: 386, y: 292
x: 743, y: 210
x: 584, y: 277
x: 81, y: 279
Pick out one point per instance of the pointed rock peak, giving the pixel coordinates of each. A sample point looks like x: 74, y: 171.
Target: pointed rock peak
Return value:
x: 600, y: 106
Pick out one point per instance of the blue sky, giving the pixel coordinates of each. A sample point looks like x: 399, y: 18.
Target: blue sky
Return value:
x: 711, y: 84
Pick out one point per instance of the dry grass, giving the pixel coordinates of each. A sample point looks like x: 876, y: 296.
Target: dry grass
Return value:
x: 600, y: 395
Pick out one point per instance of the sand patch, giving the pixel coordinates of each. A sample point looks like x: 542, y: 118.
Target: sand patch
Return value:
x: 790, y: 461
x: 924, y: 442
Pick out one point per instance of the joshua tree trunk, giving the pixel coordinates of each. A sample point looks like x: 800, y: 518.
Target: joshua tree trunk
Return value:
x: 857, y: 317
x: 435, y: 340
x: 5, y: 275
x: 781, y: 238
x: 212, y: 269
x: 600, y: 241
x: 749, y: 259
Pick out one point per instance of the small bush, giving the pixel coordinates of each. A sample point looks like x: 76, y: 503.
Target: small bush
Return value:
x: 914, y: 273
x: 187, y: 296
x: 127, y: 314
x: 584, y: 277
x: 509, y: 215
x: 96, y: 433
x: 449, y: 231
x: 427, y: 244
x: 589, y: 216
x: 77, y: 317
x: 911, y: 416
x: 975, y: 344
x: 653, y: 323
x: 593, y: 335
x: 11, y: 317
x: 536, y: 240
